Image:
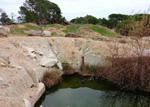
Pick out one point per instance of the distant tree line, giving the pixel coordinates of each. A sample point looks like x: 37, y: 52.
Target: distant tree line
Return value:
x: 123, y: 24
x: 112, y: 22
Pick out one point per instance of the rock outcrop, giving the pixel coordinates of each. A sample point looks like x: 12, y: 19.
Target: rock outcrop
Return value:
x: 4, y: 31
x: 39, y: 33
x: 24, y: 60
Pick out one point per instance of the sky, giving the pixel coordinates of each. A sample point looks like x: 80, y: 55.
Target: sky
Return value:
x: 79, y: 8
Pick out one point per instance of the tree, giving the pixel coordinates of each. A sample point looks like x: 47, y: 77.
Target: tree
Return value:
x: 92, y: 20
x: 4, y: 19
x: 118, y: 17
x: 40, y: 10
x: 115, y: 19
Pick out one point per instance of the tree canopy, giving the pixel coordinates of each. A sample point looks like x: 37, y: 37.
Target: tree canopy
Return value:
x: 88, y: 19
x: 4, y: 19
x: 40, y: 12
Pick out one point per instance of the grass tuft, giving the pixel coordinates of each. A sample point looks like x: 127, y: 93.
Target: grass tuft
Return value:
x: 51, y: 78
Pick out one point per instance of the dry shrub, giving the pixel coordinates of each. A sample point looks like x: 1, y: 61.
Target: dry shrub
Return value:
x: 138, y: 25
x: 131, y: 73
x: 141, y: 28
x: 51, y: 78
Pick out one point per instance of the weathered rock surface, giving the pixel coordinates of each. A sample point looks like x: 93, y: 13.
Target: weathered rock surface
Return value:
x: 4, y: 31
x: 39, y: 33
x: 49, y: 61
x: 92, y: 59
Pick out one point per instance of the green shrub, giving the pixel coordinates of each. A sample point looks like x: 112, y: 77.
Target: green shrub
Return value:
x: 125, y: 27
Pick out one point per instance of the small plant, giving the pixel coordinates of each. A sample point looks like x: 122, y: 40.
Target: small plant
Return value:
x: 91, y: 68
x: 67, y: 69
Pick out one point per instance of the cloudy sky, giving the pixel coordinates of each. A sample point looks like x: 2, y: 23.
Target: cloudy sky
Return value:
x: 99, y: 8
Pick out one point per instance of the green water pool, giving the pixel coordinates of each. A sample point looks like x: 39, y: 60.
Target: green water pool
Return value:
x: 79, y: 91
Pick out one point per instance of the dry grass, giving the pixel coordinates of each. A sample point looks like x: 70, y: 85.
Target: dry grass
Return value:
x: 51, y: 78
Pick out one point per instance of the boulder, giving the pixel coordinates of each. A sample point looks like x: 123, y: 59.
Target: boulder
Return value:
x: 39, y: 33
x: 46, y: 33
x: 4, y: 31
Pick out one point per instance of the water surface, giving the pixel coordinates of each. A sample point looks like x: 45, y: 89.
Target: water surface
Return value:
x: 78, y: 91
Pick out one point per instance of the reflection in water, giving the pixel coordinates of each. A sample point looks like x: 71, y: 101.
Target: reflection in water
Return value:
x: 76, y: 91
x: 124, y: 99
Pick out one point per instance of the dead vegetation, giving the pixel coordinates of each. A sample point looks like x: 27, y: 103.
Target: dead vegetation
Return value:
x: 130, y: 72
x: 51, y: 78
